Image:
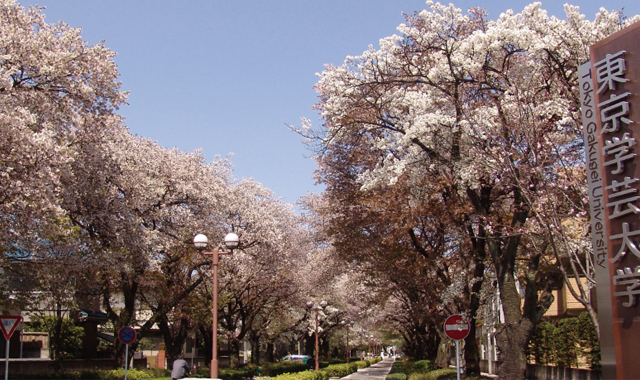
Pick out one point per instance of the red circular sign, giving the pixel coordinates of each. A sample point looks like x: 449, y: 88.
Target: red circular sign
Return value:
x: 127, y: 335
x: 456, y: 327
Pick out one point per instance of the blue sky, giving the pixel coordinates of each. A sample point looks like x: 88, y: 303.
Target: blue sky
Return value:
x: 228, y: 76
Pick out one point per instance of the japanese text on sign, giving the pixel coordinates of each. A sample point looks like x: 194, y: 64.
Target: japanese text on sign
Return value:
x: 616, y: 151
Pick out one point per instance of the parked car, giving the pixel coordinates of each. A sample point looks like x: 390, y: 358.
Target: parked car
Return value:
x: 302, y: 358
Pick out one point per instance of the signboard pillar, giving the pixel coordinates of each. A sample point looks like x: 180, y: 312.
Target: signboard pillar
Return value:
x: 598, y: 220
x: 615, y: 201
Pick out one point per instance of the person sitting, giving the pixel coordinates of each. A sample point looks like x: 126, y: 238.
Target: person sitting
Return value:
x: 180, y: 368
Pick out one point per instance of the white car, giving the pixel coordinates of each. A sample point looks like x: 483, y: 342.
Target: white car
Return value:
x: 302, y: 358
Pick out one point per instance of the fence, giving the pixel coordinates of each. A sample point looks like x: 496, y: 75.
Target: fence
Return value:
x: 539, y: 372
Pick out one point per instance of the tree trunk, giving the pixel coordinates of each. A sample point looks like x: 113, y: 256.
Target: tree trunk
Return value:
x: 234, y: 353
x: 416, y: 346
x: 57, y: 334
x: 442, y: 359
x: 512, y: 338
x: 255, y: 349
x: 123, y: 317
x: 512, y: 341
x: 207, y: 337
x: 503, y: 248
x: 432, y: 342
x: 174, y: 335
x: 471, y: 351
x: 309, y: 345
x: 270, y: 358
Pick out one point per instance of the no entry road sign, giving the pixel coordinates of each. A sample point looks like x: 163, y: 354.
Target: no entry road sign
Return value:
x: 456, y: 327
x: 127, y: 335
x: 9, y: 324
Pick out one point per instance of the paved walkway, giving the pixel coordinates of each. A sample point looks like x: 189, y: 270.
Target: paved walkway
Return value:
x: 378, y: 371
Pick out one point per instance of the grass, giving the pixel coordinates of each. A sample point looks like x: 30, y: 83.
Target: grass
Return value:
x: 397, y: 373
x: 443, y: 374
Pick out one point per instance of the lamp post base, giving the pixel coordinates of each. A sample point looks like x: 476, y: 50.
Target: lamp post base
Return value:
x: 214, y: 368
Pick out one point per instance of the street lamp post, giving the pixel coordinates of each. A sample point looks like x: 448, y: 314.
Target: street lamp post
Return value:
x: 231, y: 241
x: 347, y: 325
x: 310, y: 305
x: 295, y: 338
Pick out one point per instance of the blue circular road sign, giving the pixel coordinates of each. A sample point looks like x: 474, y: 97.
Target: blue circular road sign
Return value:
x: 127, y: 335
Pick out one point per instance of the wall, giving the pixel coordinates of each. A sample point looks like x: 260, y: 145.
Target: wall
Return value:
x: 539, y: 372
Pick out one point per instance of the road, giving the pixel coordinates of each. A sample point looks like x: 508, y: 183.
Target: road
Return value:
x: 378, y: 371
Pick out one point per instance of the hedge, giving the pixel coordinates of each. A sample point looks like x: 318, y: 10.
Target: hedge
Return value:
x: 334, y: 370
x: 566, y: 343
x: 114, y: 374
x: 439, y: 374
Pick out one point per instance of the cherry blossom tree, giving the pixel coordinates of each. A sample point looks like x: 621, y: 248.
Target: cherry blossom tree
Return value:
x: 478, y: 110
x: 55, y: 91
x: 410, y: 254
x: 78, y: 188
x: 260, y: 281
x: 54, y: 88
x: 140, y: 204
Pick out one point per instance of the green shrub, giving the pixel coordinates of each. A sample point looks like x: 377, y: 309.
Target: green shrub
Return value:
x: 37, y: 376
x: 361, y: 364
x: 305, y: 375
x: 200, y: 372
x: 334, y: 370
x: 397, y: 372
x: 373, y: 361
x: 235, y: 373
x: 439, y: 374
x: 341, y: 370
x: 159, y: 372
x: 132, y: 374
x: 281, y: 371
x: 96, y: 374
x: 589, y: 343
x: 68, y: 345
x: 420, y: 366
x: 275, y: 369
x: 565, y: 337
x: 565, y: 343
x: 540, y: 349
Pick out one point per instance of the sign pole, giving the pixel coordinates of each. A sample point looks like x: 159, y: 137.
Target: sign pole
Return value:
x: 6, y: 362
x: 8, y: 324
x: 458, y: 358
x: 193, y: 350
x: 126, y: 360
x: 457, y: 328
x: 126, y: 335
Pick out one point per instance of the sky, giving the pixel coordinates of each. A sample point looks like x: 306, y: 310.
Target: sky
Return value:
x: 230, y: 76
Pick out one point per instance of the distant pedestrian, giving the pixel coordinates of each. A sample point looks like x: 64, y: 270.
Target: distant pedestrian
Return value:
x: 311, y: 362
x: 180, y: 368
